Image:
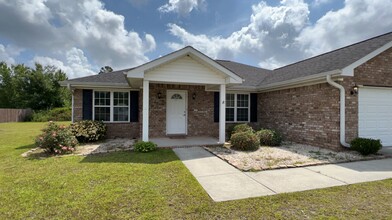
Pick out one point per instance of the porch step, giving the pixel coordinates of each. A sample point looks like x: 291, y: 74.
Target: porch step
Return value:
x: 176, y: 136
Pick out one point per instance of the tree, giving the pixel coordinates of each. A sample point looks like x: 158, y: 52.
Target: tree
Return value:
x: 38, y: 88
x: 105, y: 69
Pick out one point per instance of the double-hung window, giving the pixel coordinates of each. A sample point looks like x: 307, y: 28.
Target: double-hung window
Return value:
x: 237, y: 107
x: 111, y: 106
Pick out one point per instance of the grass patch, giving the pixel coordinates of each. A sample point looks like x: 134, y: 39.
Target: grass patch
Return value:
x: 156, y: 185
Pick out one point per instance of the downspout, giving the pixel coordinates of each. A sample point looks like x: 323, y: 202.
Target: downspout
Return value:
x: 342, y: 111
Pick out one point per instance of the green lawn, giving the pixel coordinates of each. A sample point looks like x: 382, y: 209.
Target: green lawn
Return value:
x: 151, y: 186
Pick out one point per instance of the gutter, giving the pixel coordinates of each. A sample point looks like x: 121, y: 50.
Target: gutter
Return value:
x: 342, y: 111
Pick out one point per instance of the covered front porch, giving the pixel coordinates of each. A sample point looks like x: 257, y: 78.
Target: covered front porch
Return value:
x: 183, y: 94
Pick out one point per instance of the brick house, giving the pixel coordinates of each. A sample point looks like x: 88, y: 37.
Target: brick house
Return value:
x: 326, y: 100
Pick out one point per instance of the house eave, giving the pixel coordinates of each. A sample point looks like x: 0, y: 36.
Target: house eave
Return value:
x: 298, y: 82
x: 94, y: 85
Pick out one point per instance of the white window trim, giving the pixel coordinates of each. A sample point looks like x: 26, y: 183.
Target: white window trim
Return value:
x: 235, y: 107
x: 112, y: 104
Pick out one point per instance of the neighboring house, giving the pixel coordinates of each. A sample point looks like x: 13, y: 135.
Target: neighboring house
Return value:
x: 324, y: 101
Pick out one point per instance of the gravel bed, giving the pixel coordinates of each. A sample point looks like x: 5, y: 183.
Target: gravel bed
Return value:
x: 286, y: 156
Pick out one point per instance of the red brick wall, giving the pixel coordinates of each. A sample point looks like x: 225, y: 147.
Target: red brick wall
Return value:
x: 375, y: 72
x: 200, y: 110
x: 304, y: 115
x: 78, y: 105
x: 310, y: 114
x: 114, y: 130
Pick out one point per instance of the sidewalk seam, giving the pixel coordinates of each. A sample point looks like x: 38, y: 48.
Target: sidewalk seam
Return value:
x: 327, y: 176
x: 260, y: 183
x: 215, y: 174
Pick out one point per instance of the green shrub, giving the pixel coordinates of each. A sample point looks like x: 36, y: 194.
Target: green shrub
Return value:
x: 229, y: 130
x: 269, y: 137
x: 366, y: 146
x: 244, y: 141
x: 55, y: 114
x: 144, y: 147
x: 56, y: 139
x: 242, y: 128
x: 88, y: 130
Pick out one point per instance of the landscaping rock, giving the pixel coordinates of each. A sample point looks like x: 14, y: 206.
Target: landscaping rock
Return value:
x: 289, y: 155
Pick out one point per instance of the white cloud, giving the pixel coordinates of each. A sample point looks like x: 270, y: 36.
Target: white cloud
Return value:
x: 75, y: 63
x: 358, y: 20
x: 56, y: 25
x: 182, y: 7
x: 8, y: 53
x: 282, y: 34
x: 318, y: 3
x: 271, y: 31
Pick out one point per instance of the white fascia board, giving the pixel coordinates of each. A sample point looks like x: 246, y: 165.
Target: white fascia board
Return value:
x: 349, y: 70
x: 136, y: 74
x: 181, y: 81
x: 302, y: 81
x: 139, y: 71
x: 97, y: 85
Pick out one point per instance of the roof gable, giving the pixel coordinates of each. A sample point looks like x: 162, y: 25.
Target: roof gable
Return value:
x: 139, y: 71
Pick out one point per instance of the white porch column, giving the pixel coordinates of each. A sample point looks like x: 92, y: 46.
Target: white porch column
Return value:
x: 146, y: 89
x: 222, y: 114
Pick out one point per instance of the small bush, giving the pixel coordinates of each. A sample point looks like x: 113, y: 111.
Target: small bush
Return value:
x: 144, y: 147
x: 245, y: 141
x: 229, y: 130
x: 56, y: 139
x: 55, y: 114
x: 269, y: 137
x: 242, y: 128
x: 366, y: 146
x: 88, y: 130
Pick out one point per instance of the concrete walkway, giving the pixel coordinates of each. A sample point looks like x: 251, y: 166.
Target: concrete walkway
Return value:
x: 224, y: 182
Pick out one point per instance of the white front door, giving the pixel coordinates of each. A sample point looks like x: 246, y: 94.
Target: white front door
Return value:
x: 176, y: 112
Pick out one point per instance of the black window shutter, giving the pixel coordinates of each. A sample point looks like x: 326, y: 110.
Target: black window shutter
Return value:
x: 134, y: 109
x: 87, y: 104
x: 253, y: 107
x: 216, y: 106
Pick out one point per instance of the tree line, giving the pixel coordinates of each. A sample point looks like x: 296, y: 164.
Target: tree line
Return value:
x: 37, y: 88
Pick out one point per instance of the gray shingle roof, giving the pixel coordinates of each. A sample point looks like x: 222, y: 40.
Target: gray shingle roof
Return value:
x: 334, y: 60
x: 259, y: 77
x: 253, y: 75
x: 111, y: 77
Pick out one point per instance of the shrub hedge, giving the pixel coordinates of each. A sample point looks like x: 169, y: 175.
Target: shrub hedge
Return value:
x: 55, y: 114
x: 244, y: 141
x: 88, y: 130
x: 366, y: 146
x: 242, y: 128
x: 269, y: 137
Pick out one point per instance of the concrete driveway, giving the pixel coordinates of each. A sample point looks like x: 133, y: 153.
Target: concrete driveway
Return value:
x: 224, y: 182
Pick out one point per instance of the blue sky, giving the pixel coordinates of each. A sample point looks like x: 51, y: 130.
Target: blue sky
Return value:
x: 80, y: 36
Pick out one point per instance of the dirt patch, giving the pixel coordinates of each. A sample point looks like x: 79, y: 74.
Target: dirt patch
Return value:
x: 286, y: 156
